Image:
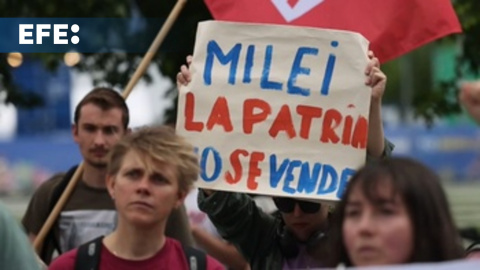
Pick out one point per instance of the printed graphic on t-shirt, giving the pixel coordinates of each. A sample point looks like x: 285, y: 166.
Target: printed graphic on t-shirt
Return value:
x: 78, y: 227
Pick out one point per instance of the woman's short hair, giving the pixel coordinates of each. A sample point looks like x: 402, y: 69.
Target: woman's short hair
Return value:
x: 161, y: 144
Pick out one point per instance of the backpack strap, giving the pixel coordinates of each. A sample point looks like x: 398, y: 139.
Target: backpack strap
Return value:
x: 58, y: 191
x: 88, y: 255
x: 56, y: 194
x: 196, y: 259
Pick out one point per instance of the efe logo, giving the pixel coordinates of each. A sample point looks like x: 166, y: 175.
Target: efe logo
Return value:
x: 25, y: 33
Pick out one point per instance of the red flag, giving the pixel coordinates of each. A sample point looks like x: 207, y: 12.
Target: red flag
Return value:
x: 393, y: 27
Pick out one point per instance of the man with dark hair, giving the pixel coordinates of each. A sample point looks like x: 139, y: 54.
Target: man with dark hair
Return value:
x: 100, y: 121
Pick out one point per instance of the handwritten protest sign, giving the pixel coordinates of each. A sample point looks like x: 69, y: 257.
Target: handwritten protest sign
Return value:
x: 277, y: 110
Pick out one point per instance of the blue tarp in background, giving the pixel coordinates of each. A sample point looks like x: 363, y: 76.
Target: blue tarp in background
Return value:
x: 453, y: 152
x: 26, y: 163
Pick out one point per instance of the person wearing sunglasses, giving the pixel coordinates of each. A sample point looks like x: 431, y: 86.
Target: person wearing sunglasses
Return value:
x: 302, y: 222
x: 293, y: 237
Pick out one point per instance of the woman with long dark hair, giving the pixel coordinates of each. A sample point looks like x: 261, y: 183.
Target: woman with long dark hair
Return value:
x: 394, y: 212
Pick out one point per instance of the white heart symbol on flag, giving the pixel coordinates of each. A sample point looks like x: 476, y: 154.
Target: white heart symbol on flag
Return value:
x: 290, y: 13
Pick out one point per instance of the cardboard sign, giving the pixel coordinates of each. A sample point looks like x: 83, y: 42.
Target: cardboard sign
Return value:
x: 277, y: 110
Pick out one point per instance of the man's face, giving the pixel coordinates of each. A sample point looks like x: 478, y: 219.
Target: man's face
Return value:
x: 96, y: 132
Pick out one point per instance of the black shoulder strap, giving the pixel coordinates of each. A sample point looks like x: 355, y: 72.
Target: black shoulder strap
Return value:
x: 88, y: 255
x: 56, y: 194
x: 58, y: 191
x: 196, y: 259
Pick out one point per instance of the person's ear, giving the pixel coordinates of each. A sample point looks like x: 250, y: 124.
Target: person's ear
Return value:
x: 75, y: 132
x: 180, y: 199
x: 110, y: 181
x: 128, y: 131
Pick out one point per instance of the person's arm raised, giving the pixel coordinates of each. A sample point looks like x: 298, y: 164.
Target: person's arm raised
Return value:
x: 377, y: 80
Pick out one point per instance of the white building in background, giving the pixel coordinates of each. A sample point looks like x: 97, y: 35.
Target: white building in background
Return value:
x: 147, y: 102
x: 8, y: 121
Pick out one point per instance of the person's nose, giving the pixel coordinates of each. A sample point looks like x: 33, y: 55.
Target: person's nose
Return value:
x: 143, y: 186
x: 99, y: 139
x: 297, y: 211
x: 366, y: 223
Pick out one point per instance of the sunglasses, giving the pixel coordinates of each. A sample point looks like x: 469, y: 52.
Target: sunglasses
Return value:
x: 287, y: 205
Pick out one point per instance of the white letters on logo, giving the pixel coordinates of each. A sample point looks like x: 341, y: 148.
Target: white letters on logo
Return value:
x: 23, y: 34
x: 292, y: 13
x: 41, y: 33
x: 60, y: 33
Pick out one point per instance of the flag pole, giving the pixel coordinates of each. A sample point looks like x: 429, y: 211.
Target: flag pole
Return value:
x: 40, y: 238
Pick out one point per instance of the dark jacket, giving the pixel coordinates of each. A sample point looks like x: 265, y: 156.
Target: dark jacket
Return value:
x: 252, y: 231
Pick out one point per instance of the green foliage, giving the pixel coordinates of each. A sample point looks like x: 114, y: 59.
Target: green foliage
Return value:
x: 49, y: 8
x: 441, y: 99
x: 468, y: 11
